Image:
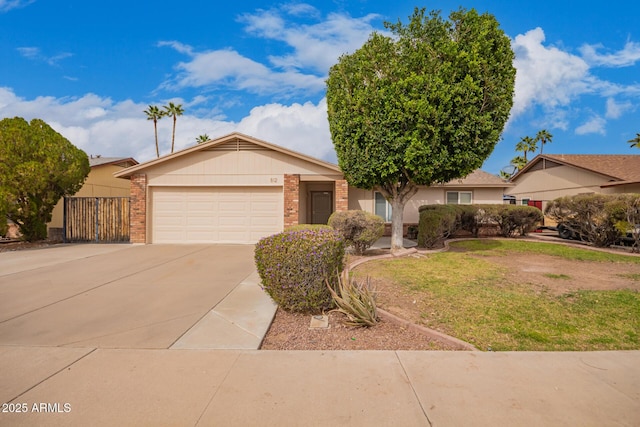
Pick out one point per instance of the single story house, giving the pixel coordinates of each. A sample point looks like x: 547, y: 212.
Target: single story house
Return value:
x: 99, y: 183
x: 238, y: 189
x: 549, y: 176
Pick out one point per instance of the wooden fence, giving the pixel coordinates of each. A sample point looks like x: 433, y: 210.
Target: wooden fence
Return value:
x: 96, y: 219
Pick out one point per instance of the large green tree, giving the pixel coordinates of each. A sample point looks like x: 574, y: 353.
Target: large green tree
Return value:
x: 424, y: 106
x: 38, y: 166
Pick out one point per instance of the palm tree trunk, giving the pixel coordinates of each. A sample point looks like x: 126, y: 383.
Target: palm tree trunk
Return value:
x: 155, y: 127
x: 173, y: 135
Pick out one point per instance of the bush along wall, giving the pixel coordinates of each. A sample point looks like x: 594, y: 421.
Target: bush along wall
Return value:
x: 599, y: 219
x: 359, y: 229
x: 439, y: 222
x: 295, y: 266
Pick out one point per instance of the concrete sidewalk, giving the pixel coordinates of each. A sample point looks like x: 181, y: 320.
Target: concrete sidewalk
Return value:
x: 321, y: 388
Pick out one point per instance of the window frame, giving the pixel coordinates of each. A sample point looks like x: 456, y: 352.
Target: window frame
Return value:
x: 470, y: 192
x: 388, y: 208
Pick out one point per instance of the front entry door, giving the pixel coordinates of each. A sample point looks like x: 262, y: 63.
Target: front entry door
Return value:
x: 321, y: 206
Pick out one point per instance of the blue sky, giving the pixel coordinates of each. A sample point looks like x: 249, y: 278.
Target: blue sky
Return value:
x: 90, y: 69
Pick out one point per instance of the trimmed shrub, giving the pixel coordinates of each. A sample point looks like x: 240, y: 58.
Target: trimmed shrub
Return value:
x: 439, y: 222
x: 295, y: 267
x: 308, y: 227
x: 593, y: 217
x: 468, y: 218
x: 359, y: 229
x: 436, y: 224
x: 517, y: 220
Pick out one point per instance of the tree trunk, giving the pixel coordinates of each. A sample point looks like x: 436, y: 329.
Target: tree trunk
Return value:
x: 397, y: 224
x: 173, y: 134
x: 398, y: 196
x: 155, y: 127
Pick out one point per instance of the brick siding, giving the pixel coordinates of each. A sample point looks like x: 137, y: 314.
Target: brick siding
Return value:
x: 341, y: 195
x: 291, y: 200
x: 138, y: 215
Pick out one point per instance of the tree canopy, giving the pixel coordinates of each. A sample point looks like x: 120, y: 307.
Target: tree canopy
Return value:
x: 423, y: 106
x: 38, y: 166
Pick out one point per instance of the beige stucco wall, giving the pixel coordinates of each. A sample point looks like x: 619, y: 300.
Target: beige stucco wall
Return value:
x: 235, y: 168
x: 99, y: 183
x: 364, y: 199
x: 549, y: 184
x: 625, y: 188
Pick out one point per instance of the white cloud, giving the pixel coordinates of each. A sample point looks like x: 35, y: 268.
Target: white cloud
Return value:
x: 615, y: 110
x: 225, y: 69
x: 547, y: 76
x: 300, y: 127
x: 101, y: 126
x: 315, y: 46
x: 313, y: 49
x: 628, y: 56
x: 7, y: 5
x: 35, y: 54
x: 594, y: 125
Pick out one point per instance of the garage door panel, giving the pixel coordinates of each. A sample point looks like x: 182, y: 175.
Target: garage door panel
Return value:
x: 215, y: 215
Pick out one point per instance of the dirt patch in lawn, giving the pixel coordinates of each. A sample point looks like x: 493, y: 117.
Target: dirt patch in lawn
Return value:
x: 559, y: 276
x: 546, y: 273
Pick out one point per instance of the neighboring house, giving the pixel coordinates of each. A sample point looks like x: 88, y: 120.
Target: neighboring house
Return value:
x: 238, y: 189
x: 549, y: 176
x: 99, y: 183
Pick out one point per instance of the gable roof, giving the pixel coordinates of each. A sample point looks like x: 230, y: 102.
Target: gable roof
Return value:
x: 479, y: 178
x: 240, y: 140
x: 124, y: 162
x: 616, y: 167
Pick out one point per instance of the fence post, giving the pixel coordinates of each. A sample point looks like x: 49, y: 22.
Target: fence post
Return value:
x: 64, y: 220
x: 97, y: 220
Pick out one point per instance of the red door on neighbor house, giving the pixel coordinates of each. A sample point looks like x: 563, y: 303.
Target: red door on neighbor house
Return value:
x: 535, y: 203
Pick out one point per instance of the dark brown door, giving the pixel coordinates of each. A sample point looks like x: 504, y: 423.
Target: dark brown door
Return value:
x: 321, y: 206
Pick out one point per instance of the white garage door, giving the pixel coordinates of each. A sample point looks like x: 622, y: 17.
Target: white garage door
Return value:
x: 215, y: 214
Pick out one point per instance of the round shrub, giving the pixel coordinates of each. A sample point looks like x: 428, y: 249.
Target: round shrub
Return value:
x: 295, y: 266
x: 359, y: 229
x: 436, y: 224
x: 308, y: 227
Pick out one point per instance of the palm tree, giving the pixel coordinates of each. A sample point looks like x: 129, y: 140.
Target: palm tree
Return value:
x: 202, y: 138
x: 543, y: 136
x: 526, y: 145
x: 174, y: 111
x: 154, y: 113
x: 519, y: 162
x: 635, y: 142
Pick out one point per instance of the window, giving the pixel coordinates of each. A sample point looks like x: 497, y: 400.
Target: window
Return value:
x: 382, y: 207
x: 525, y: 202
x: 458, y: 197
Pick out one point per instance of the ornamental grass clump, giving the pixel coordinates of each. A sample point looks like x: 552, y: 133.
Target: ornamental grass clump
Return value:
x: 295, y: 265
x: 355, y: 300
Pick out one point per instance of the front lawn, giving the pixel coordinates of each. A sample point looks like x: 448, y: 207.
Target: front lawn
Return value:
x: 506, y: 295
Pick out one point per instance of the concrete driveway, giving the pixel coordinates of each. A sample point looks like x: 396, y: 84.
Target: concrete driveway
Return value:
x: 114, y: 296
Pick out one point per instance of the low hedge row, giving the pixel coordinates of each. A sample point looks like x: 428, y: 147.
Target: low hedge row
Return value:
x: 439, y: 222
x: 600, y: 219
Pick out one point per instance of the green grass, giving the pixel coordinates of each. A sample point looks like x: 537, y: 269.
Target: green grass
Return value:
x: 504, y: 247
x: 472, y: 299
x: 632, y: 276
